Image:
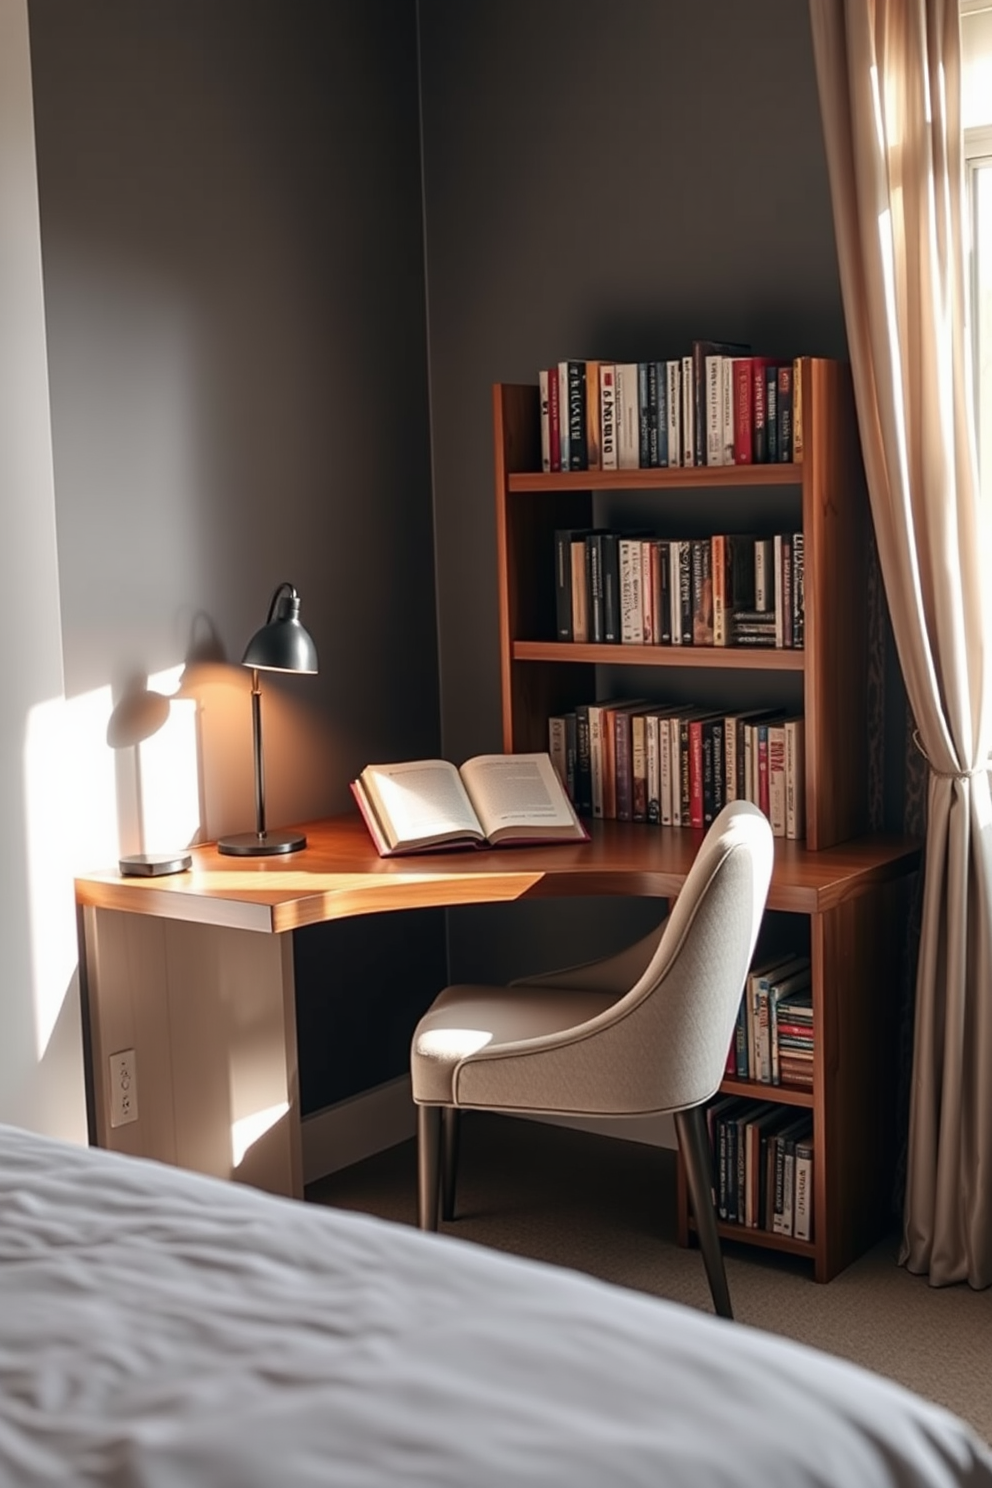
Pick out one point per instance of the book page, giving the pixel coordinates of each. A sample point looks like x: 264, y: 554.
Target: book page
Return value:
x: 421, y: 801
x: 520, y: 795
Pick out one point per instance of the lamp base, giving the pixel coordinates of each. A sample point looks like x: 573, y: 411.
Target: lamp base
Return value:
x: 261, y: 844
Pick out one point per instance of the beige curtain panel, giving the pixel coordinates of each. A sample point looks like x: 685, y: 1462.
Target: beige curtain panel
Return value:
x: 889, y: 79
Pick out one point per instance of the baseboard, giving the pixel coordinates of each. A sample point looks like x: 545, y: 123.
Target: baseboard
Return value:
x: 357, y: 1128
x: 368, y: 1123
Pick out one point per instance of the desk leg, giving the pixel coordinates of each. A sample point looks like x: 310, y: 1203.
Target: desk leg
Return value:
x: 210, y: 1013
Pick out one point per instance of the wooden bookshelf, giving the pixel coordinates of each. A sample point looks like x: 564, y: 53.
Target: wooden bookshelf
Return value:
x: 846, y: 890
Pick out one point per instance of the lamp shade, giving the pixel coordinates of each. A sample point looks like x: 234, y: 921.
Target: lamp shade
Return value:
x: 283, y: 644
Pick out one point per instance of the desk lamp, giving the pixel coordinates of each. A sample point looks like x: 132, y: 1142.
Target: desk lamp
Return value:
x: 282, y: 645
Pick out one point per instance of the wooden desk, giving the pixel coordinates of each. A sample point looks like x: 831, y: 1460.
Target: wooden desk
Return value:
x: 195, y: 972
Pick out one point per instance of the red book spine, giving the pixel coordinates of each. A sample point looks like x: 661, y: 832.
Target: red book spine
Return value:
x: 695, y: 773
x: 554, y: 420
x: 743, y: 411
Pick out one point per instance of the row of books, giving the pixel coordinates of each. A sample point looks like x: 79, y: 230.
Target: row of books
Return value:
x: 717, y: 406
x: 678, y: 765
x: 762, y: 1165
x: 731, y: 589
x: 773, y: 1038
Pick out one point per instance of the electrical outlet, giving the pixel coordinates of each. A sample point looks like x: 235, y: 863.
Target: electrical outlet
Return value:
x: 123, y: 1088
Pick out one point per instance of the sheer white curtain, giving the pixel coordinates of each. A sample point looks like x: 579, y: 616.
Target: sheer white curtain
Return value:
x: 889, y: 79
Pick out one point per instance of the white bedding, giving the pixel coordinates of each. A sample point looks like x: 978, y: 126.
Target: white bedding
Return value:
x: 166, y: 1330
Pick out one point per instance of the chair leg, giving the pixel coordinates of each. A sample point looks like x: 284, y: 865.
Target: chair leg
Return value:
x: 428, y: 1165
x: 691, y: 1129
x: 450, y: 1133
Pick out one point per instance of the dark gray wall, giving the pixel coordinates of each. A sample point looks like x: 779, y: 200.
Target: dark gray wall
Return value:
x: 233, y: 258
x: 601, y: 181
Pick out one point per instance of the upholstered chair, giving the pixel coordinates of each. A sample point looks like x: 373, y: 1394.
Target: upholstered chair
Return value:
x: 639, y: 1033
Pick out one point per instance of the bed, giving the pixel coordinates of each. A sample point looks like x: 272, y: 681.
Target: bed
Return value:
x: 160, y: 1329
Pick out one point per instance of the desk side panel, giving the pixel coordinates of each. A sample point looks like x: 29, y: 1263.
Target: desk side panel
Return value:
x: 209, y: 1012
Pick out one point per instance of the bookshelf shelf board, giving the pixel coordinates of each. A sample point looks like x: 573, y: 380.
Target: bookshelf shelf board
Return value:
x: 784, y: 1095
x: 768, y: 1238
x: 679, y: 479
x: 726, y: 658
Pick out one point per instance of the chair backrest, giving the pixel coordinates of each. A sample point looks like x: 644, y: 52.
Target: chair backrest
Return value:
x: 663, y: 1045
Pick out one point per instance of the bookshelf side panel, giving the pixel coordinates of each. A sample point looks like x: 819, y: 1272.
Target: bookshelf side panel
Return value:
x: 835, y: 517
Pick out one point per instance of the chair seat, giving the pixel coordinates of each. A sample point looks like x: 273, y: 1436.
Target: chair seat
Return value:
x: 469, y: 1017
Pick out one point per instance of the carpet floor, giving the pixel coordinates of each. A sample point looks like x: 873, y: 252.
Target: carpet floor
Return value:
x: 607, y: 1207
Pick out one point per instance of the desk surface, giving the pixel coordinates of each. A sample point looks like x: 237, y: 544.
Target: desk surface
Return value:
x: 340, y: 874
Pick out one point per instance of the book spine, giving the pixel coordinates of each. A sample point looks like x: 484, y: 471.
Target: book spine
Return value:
x: 729, y: 759
x: 665, y: 770
x: 608, y: 415
x: 594, y: 584
x: 663, y: 593
x: 803, y: 1227
x: 542, y: 381
x: 564, y: 426
x: 762, y: 798
x: 596, y: 758
x: 702, y: 592
x: 580, y: 598
x: 571, y: 755
x: 771, y: 412
x: 685, y: 592
x: 673, y: 370
x: 554, y: 420
x: 776, y: 779
x: 784, y: 414
x: 713, y: 366
x: 631, y: 613
x: 759, y: 422
x: 719, y: 767
x: 611, y: 587
x: 718, y: 565
x: 638, y: 768
x: 795, y: 780
x: 695, y: 773
x: 661, y: 413
x: 683, y: 774
x: 628, y: 417
x: 798, y: 591
x: 623, y: 765
x: 740, y: 1040
x: 609, y: 741
x: 644, y: 409
x: 594, y: 448
x: 557, y: 744
x: 777, y: 590
x: 727, y: 410
x: 743, y: 405
x: 688, y: 401
x: 563, y: 585
x: 764, y: 576
x: 787, y: 590
x: 652, y: 768
x: 648, y: 562
x: 583, y: 767
x: 797, y: 411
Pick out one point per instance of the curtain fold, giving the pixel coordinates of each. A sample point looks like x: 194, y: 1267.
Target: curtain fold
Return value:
x: 889, y: 79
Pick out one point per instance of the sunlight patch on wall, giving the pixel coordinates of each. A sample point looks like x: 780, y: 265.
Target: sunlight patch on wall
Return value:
x: 169, y: 781
x: 246, y: 1132
x: 71, y: 821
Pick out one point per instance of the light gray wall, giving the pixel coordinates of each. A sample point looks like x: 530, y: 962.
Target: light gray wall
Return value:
x: 40, y: 1063
x: 601, y: 181
x: 233, y: 262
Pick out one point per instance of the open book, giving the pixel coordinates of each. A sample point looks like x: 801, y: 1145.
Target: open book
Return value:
x: 494, y: 800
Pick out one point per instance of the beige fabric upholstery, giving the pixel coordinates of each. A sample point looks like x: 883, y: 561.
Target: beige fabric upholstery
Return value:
x: 642, y: 1032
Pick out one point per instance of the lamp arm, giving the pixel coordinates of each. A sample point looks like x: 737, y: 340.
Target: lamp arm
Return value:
x: 256, y: 731
x: 283, y: 588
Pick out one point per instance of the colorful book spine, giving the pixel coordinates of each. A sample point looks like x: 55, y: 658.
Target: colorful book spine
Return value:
x: 542, y: 382
x: 608, y: 415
